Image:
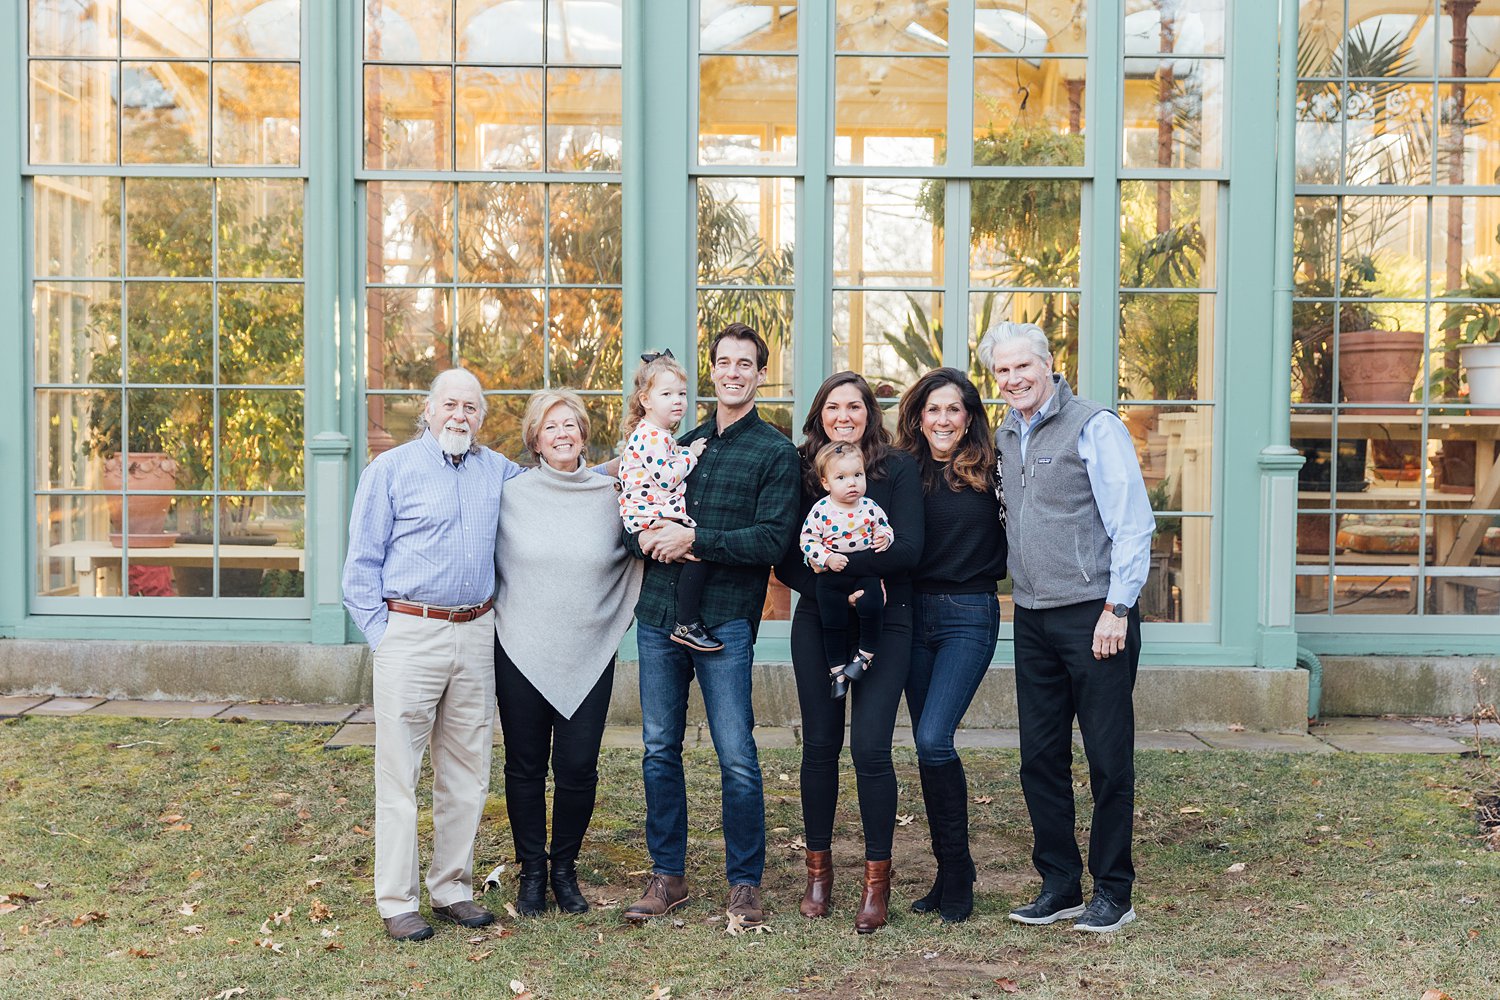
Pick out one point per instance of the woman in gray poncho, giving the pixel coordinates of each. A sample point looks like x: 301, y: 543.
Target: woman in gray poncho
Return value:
x: 566, y: 592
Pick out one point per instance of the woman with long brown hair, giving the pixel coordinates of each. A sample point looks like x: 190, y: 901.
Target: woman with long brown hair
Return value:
x: 955, y: 610
x: 844, y: 410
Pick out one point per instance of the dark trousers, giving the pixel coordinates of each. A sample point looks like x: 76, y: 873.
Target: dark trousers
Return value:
x: 533, y: 731
x: 1057, y: 678
x: 833, y: 590
x: 690, y: 591
x: 873, y: 701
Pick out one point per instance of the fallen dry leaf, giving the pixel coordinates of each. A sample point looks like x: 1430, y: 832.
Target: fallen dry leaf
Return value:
x: 1189, y: 811
x: 1235, y: 868
x: 643, y: 871
x: 187, y: 909
x: 983, y: 800
x: 517, y: 987
x: 737, y: 926
x: 9, y: 907
x: 319, y: 911
x: 480, y: 956
x: 303, y: 814
x: 195, y: 875
x: 93, y: 916
x: 1235, y: 727
x: 511, y: 909
x: 233, y: 991
x: 333, y: 931
x: 333, y: 946
x: 1435, y: 995
x: 270, y: 945
x: 1007, y: 985
x: 193, y: 930
x: 169, y: 818
x: 283, y: 917
x: 179, y: 828
x: 904, y: 819
x: 361, y: 830
x: 141, y: 953
x: 659, y: 993
x: 314, y: 883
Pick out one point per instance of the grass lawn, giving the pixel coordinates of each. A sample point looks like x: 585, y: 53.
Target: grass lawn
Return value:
x: 202, y: 859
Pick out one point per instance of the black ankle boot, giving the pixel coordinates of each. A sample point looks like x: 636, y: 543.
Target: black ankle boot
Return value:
x: 565, y: 887
x: 531, y: 889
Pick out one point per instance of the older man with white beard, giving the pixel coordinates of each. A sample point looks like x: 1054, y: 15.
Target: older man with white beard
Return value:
x: 419, y: 582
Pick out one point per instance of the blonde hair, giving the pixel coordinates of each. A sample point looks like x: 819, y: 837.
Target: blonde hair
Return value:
x: 536, y: 411
x: 647, y: 373
x: 836, y: 451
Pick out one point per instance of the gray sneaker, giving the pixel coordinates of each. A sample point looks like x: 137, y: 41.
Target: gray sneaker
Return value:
x: 1104, y: 915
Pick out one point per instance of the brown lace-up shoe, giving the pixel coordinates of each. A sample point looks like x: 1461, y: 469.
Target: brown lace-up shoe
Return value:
x: 408, y: 927
x: 818, y: 897
x: 664, y: 893
x: 466, y: 913
x: 744, y: 904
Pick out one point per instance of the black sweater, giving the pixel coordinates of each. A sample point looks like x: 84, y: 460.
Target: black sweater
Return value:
x: 899, y: 493
x: 965, y: 543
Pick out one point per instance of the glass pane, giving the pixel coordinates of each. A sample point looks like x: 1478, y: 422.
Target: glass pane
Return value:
x: 171, y: 327
x: 178, y: 423
x: 1397, y: 41
x: 747, y: 109
x: 1161, y: 26
x: 1384, y: 247
x: 501, y: 230
x: 1179, y: 548
x: 1468, y: 133
x: 1056, y: 314
x: 164, y: 112
x: 769, y: 313
x: 172, y: 29
x: 1388, y: 133
x: 76, y: 326
x: 392, y: 420
x: 257, y: 113
x: 1023, y: 28
x: 891, y: 26
x: 406, y: 117
x: 407, y: 336
x: 1174, y: 445
x: 500, y: 337
x: 891, y: 112
x: 583, y: 337
x: 500, y: 31
x: 502, y: 428
x: 1174, y: 113
x: 261, y: 546
x: 77, y: 223
x: 583, y: 119
x: 499, y: 119
x: 1025, y: 232
x: 605, y: 415
x: 583, y: 31
x: 258, y: 29
x: 1466, y: 42
x: 1320, y: 133
x: 885, y: 233
x: 260, y: 439
x: 1464, y: 540
x: 746, y: 228
x: 889, y: 337
x: 1373, y: 592
x: 408, y: 30
x: 584, y: 233
x: 260, y: 228
x: 1468, y: 595
x: 70, y: 28
x: 260, y: 334
x: 68, y: 530
x: 1320, y: 29
x: 72, y: 112
x: 1028, y: 112
x: 1168, y: 234
x: 415, y: 223
x: 1315, y: 245
x: 75, y: 429
x: 1465, y: 246
x: 746, y: 25
x: 169, y: 227
x: 1166, y: 346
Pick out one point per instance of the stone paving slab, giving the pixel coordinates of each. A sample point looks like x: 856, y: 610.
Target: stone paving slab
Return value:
x: 21, y: 704
x: 1458, y: 730
x: 1273, y: 742
x: 1414, y: 742
x: 774, y: 737
x: 995, y: 739
x: 365, y: 714
x: 306, y: 714
x: 352, y: 734
x: 65, y: 706
x: 1160, y: 740
x: 1355, y: 725
x: 150, y: 709
x: 622, y: 737
x: 902, y: 737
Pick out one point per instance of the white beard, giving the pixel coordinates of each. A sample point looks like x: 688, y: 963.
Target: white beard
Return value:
x: 454, y: 443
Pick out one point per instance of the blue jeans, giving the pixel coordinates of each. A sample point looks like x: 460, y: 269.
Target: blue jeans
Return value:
x: 953, y: 641
x: 666, y: 670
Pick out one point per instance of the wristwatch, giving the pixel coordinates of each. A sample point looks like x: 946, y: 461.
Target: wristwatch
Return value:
x: 1118, y: 610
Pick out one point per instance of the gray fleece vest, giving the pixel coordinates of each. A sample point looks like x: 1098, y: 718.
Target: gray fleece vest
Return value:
x: 1059, y: 550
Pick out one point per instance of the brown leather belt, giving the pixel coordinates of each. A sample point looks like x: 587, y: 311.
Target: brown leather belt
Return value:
x: 456, y: 615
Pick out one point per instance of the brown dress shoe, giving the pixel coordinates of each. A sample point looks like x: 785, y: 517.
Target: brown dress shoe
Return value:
x: 875, y: 899
x: 408, y: 927
x: 465, y: 912
x: 664, y: 893
x: 744, y: 903
x: 816, y: 900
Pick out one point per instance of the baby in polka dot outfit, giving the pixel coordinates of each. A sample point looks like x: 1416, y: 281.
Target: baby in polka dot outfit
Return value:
x: 845, y: 521
x: 654, y: 471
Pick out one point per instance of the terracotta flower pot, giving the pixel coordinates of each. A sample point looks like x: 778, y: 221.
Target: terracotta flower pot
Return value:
x: 142, y: 471
x: 1379, y: 366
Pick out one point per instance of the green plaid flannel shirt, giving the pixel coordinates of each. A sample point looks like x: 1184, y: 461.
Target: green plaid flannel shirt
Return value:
x: 743, y: 494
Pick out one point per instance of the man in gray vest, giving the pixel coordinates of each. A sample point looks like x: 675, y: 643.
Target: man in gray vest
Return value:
x: 1079, y: 527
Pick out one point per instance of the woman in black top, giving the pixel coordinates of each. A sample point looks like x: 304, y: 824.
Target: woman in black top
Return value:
x: 844, y: 409
x: 955, y: 613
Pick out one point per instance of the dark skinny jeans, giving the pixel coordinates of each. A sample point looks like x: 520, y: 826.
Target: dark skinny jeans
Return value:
x: 833, y: 590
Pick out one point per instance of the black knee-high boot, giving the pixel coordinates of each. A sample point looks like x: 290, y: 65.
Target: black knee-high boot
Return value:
x: 933, y: 901
x: 956, y: 863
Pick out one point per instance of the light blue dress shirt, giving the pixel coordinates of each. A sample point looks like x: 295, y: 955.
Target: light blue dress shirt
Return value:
x: 1114, y: 472
x: 423, y: 530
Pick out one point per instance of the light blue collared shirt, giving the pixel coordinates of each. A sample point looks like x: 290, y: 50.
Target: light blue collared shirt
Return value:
x: 1114, y: 472
x: 423, y: 530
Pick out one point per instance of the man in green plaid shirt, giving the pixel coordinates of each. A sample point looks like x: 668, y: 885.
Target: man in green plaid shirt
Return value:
x: 743, y: 495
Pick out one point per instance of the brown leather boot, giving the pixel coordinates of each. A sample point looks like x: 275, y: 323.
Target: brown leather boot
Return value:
x: 875, y: 899
x: 664, y: 893
x: 816, y: 899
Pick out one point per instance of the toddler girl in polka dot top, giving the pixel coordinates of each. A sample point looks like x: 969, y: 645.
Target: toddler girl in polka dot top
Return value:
x: 845, y: 521
x: 654, y: 471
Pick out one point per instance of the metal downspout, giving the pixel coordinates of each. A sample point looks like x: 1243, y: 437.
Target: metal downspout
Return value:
x: 1308, y: 660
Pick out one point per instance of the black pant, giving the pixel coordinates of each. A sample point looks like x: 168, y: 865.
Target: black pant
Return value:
x: 1057, y: 678
x: 833, y: 590
x: 533, y: 730
x: 873, y: 701
x: 690, y: 591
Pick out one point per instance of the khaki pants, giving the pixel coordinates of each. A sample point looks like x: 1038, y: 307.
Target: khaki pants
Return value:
x: 434, y: 682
